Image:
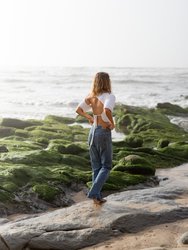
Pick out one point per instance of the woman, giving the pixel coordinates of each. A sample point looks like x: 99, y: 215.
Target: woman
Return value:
x: 101, y: 101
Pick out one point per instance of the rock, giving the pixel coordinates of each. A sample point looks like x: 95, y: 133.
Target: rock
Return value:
x: 85, y: 224
x: 4, y: 132
x: 162, y: 143
x: 16, y: 123
x: 3, y: 221
x: 183, y: 239
x: 171, y: 109
x: 134, y: 141
x: 135, y: 164
x: 155, y: 248
x: 178, y: 149
x: 3, y: 149
x: 3, y: 245
x: 60, y: 119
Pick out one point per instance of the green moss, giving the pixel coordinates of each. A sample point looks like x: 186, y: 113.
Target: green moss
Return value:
x: 10, y: 186
x: 45, y: 191
x: 134, y: 141
x: 76, y: 161
x: 135, y: 164
x: 5, y: 196
x: 37, y: 157
x: 119, y: 180
x: 177, y: 150
x: 171, y: 109
x: 162, y: 143
x: 58, y: 119
x: 21, y: 133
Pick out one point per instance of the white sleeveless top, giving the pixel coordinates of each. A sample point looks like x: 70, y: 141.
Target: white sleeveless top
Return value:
x: 108, y: 101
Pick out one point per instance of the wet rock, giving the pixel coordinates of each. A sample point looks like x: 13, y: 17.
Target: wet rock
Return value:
x: 16, y: 123
x: 59, y: 119
x: 184, y: 239
x: 171, y: 109
x: 162, y: 143
x: 135, y: 164
x: 4, y: 132
x: 85, y: 224
x: 134, y: 141
x: 3, y: 149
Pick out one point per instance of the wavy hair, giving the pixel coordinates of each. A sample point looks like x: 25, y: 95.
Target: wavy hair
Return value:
x: 101, y: 84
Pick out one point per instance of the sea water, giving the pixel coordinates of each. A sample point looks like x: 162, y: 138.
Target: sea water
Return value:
x: 37, y: 92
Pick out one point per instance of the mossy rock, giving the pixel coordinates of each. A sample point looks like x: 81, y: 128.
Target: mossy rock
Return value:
x: 58, y: 119
x: 70, y: 148
x: 176, y: 150
x: 171, y: 109
x: 162, y: 143
x: 37, y: 157
x: 5, y: 196
x: 4, y: 132
x: 15, y: 176
x: 45, y: 191
x: 3, y: 149
x: 58, y: 134
x: 21, y: 133
x: 120, y: 180
x: 76, y: 161
x: 16, y: 123
x: 10, y: 186
x: 135, y: 164
x: 15, y: 144
x: 134, y: 141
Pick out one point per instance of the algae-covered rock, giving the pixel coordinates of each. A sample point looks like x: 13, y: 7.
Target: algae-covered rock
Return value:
x: 178, y: 149
x: 58, y: 119
x: 3, y: 149
x: 45, y: 191
x: 134, y: 141
x: 162, y: 143
x: 36, y: 157
x: 4, y: 132
x: 135, y: 164
x: 171, y: 109
x: 120, y: 180
x: 16, y: 123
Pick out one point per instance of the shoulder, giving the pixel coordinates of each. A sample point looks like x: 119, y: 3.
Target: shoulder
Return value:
x: 111, y: 97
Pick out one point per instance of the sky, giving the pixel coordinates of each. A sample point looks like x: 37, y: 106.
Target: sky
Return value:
x: 86, y: 33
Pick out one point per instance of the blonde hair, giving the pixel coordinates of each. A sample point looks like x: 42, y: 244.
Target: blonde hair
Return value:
x: 101, y: 84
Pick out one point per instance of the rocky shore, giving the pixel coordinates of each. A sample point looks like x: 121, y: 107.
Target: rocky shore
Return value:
x: 85, y: 224
x: 43, y: 163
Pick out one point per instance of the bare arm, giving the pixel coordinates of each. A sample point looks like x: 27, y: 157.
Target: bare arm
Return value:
x: 108, y: 113
x: 84, y: 114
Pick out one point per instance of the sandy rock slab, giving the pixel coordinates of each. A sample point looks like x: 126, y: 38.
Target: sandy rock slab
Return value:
x: 86, y: 224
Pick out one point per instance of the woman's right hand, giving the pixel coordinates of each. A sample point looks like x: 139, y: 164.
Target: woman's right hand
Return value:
x: 111, y: 126
x: 90, y: 120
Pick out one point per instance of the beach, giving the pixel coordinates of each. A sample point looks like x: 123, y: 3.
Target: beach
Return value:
x: 45, y: 166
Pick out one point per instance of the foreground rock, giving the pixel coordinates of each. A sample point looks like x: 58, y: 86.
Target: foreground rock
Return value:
x: 84, y: 224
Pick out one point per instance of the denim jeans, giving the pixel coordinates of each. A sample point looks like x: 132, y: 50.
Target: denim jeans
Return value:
x: 100, y: 151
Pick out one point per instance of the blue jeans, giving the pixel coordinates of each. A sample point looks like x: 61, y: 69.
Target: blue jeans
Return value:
x: 101, y: 158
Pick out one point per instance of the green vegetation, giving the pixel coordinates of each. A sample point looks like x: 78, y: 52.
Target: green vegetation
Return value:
x: 40, y: 157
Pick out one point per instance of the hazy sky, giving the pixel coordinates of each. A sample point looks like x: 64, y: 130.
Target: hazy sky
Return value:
x: 127, y: 33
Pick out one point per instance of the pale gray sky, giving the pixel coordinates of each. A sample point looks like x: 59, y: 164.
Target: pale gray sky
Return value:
x: 127, y: 33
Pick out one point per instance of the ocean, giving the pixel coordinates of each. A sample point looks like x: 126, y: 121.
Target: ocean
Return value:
x: 37, y: 92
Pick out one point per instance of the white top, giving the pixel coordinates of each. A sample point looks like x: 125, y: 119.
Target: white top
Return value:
x: 108, y: 101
